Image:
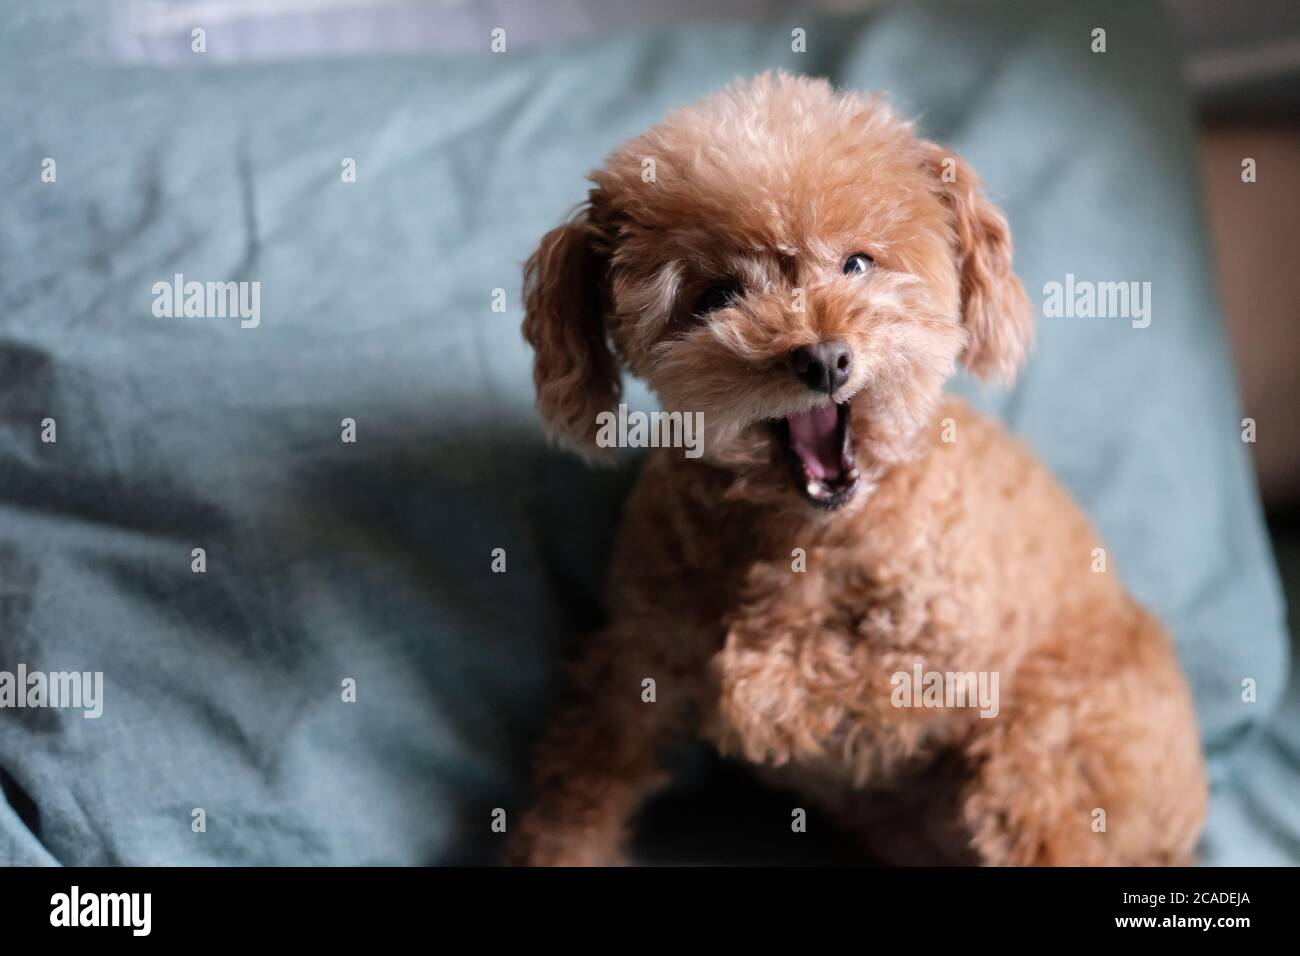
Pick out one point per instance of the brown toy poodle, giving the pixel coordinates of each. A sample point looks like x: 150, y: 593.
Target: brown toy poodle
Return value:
x: 862, y: 588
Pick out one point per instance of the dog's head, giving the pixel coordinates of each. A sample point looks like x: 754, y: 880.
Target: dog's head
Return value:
x: 794, y: 264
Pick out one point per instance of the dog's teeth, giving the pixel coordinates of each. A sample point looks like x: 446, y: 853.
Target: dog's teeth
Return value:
x: 815, y: 488
x: 853, y: 474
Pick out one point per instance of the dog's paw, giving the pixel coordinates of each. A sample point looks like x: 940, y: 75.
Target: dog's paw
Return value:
x: 534, y: 845
x: 560, y: 851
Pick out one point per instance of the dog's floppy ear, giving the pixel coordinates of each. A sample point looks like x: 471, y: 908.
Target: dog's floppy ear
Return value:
x: 566, y: 299
x: 994, y: 308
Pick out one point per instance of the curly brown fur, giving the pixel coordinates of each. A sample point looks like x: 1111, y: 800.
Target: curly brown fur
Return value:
x: 953, y: 549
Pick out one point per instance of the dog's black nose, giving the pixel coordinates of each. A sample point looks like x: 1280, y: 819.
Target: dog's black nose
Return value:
x: 823, y: 367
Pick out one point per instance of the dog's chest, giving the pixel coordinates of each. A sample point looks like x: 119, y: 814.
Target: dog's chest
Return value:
x: 804, y: 676
x: 841, y: 603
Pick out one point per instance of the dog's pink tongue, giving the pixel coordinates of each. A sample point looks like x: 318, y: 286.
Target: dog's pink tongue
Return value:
x: 814, y: 436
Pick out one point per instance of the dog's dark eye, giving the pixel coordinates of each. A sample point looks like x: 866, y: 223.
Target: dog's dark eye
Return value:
x: 858, y: 263
x: 715, y: 298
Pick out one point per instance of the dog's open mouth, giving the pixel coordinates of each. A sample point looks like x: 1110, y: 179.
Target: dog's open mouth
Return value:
x: 819, y: 444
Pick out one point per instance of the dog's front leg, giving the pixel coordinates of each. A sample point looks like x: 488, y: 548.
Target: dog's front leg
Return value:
x: 606, y: 749
x: 1110, y: 776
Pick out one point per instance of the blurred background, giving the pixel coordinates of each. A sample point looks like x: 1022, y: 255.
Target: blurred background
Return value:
x: 1241, y: 63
